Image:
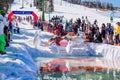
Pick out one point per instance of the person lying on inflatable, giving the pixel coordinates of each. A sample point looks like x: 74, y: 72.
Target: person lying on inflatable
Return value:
x: 59, y: 41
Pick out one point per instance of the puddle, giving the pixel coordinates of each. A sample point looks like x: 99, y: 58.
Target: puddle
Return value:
x: 78, y: 69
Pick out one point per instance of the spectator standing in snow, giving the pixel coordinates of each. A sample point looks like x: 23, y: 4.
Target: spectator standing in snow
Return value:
x: 97, y: 37
x: 104, y: 33
x: 15, y: 25
x: 110, y: 33
x: 117, y: 33
x: 2, y: 38
x: 6, y: 30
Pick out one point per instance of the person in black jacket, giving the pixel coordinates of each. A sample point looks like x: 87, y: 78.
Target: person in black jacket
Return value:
x: 98, y: 37
x: 104, y: 33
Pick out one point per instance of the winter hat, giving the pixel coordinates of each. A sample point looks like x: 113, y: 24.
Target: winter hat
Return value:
x: 2, y: 12
x: 118, y: 23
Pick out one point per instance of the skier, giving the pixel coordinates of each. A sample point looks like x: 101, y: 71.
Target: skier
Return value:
x: 111, y: 16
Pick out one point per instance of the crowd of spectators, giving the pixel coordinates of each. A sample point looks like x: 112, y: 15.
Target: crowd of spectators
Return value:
x: 106, y: 33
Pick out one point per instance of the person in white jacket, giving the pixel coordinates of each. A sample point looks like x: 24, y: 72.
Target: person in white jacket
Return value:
x: 2, y: 38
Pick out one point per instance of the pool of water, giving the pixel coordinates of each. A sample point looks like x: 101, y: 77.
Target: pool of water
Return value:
x: 93, y: 68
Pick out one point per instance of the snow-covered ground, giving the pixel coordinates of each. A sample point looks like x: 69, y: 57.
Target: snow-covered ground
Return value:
x: 68, y: 10
x: 22, y: 58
